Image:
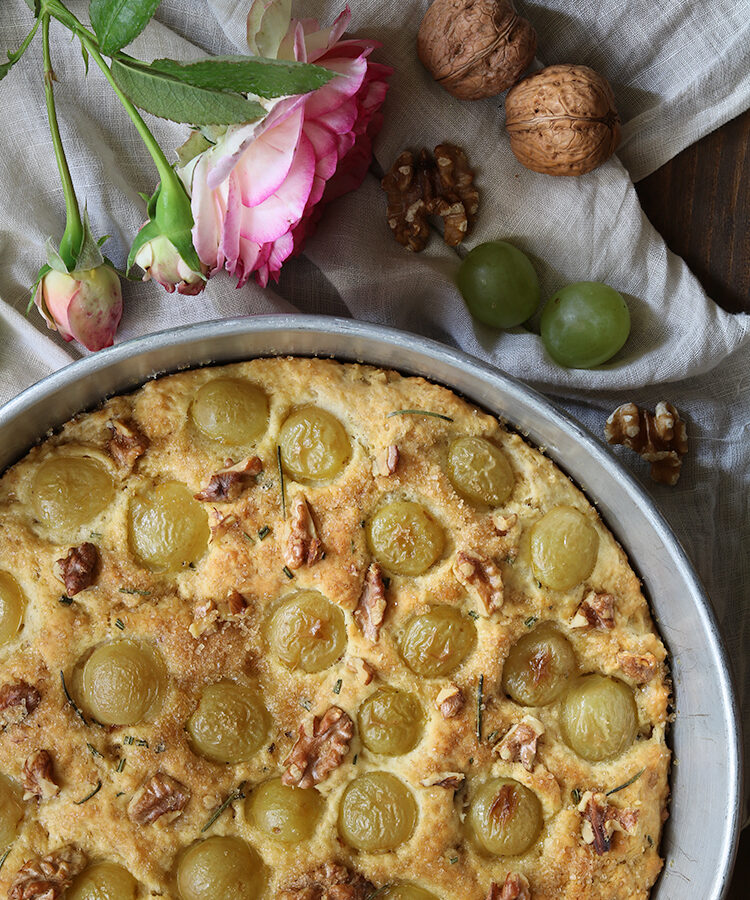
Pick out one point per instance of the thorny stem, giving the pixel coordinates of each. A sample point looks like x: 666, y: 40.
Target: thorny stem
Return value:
x: 166, y: 173
x: 72, y: 238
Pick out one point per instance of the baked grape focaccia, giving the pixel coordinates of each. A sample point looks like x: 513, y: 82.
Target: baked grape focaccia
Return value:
x: 303, y: 630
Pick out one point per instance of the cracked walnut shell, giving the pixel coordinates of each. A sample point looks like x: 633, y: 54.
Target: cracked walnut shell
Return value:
x: 475, y: 48
x: 562, y: 120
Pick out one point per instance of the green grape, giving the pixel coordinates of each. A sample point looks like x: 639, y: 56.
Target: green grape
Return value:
x: 499, y: 284
x: 12, y: 607
x: 505, y: 816
x: 391, y: 722
x: 103, y: 881
x: 284, y: 812
x: 11, y: 811
x: 585, y: 324
x: 377, y: 812
x: 404, y: 891
x: 122, y: 683
x: 220, y: 868
x: 599, y: 717
x: 230, y: 411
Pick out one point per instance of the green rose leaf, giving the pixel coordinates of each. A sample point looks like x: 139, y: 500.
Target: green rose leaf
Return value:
x: 169, y: 98
x: 247, y: 75
x: 118, y: 22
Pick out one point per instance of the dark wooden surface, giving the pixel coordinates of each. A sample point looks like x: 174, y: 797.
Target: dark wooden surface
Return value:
x: 700, y: 202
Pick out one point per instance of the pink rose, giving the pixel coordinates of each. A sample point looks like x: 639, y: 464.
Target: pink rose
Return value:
x: 85, y: 305
x: 260, y: 190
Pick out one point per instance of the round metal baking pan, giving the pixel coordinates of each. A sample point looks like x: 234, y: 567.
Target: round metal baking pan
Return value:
x: 701, y: 834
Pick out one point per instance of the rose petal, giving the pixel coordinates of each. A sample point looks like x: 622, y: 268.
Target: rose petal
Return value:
x: 267, y: 161
x: 351, y: 73
x: 270, y: 219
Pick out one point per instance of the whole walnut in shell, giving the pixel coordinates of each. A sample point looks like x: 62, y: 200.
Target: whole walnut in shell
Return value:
x: 562, y: 120
x: 475, y: 48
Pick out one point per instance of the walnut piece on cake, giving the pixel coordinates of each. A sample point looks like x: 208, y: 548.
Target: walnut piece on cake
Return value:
x: 47, y: 877
x: 315, y: 756
x: 38, y: 777
x: 159, y: 795
x: 79, y: 568
x: 371, y: 607
x: 303, y: 545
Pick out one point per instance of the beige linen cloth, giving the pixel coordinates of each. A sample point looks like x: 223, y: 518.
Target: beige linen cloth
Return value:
x: 679, y: 69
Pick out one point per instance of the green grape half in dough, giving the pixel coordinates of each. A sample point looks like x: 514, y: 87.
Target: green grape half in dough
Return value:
x: 220, y: 868
x: 505, y: 817
x: 12, y: 607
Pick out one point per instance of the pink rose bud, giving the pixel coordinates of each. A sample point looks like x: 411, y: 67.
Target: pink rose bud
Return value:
x: 160, y: 260
x: 85, y: 306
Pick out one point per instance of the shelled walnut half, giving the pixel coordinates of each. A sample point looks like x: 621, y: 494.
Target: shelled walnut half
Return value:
x: 659, y: 437
x: 442, y: 186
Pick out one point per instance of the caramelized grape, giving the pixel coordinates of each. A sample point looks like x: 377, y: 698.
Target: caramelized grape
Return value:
x: 168, y: 527
x: 437, y: 642
x: 480, y: 471
x: 230, y: 411
x: 287, y: 813
x: 599, y: 717
x: 220, y: 868
x: 103, y: 881
x: 314, y: 444
x: 404, y: 891
x: 68, y: 491
x: 308, y: 632
x: 538, y: 666
x: 230, y: 723
x: 122, y: 683
x: 378, y: 812
x: 564, y: 545
x: 505, y: 816
x: 11, y: 811
x: 391, y: 722
x: 405, y: 538
x: 12, y: 607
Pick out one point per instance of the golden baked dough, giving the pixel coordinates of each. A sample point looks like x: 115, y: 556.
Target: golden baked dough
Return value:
x: 367, y: 668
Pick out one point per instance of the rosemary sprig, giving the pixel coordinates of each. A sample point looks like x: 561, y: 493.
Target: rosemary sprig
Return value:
x: 337, y: 687
x: 621, y: 787
x: 418, y: 412
x: 263, y: 532
x: 120, y: 624
x: 305, y: 704
x: 124, y: 590
x: 120, y: 765
x: 70, y: 700
x: 288, y: 572
x: 4, y: 857
x: 238, y: 794
x: 65, y: 600
x: 89, y: 796
x: 94, y: 751
x: 281, y: 481
x: 576, y: 796
x: 480, y: 705
x: 530, y: 621
x: 474, y: 615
